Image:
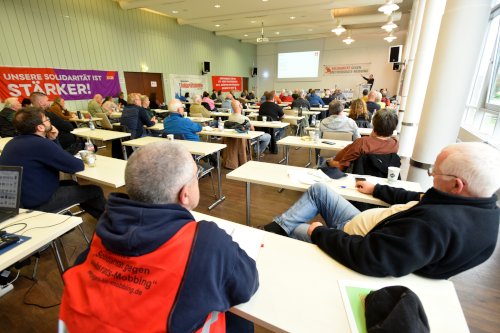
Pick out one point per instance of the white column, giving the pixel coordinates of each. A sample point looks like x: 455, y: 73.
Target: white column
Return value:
x: 431, y: 22
x: 463, y: 28
x: 410, y: 62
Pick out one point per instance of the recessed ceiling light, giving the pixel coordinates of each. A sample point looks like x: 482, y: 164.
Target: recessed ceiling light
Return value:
x: 292, y: 17
x: 309, y: 29
x: 217, y: 25
x: 217, y: 6
x: 253, y: 21
x: 175, y: 11
x: 277, y: 32
x: 265, y: 0
x: 245, y: 35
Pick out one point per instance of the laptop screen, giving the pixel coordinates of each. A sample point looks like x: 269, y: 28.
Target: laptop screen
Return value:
x: 10, y: 188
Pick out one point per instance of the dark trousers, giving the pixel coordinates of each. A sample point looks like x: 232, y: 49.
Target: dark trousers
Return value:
x: 90, y: 198
x: 236, y: 324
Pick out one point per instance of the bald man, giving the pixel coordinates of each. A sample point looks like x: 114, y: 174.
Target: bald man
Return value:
x: 95, y: 105
x: 437, y: 234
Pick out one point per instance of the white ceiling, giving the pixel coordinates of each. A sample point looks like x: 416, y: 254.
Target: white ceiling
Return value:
x: 283, y: 20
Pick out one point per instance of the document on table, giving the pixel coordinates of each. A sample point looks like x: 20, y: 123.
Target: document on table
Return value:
x: 249, y: 239
x: 308, y: 177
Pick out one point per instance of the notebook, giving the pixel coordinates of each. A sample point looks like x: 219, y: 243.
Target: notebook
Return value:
x: 10, y: 191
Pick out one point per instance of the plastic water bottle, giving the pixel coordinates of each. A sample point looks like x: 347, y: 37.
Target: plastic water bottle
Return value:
x: 91, y: 124
x: 313, y: 120
x: 221, y: 125
x: 89, y: 146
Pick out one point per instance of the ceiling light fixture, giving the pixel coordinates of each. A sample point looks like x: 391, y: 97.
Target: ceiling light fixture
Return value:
x: 388, y: 7
x: 217, y: 6
x: 390, y: 38
x: 262, y: 39
x: 390, y: 25
x: 245, y: 35
x: 175, y: 11
x: 217, y: 25
x: 292, y: 17
x: 253, y: 21
x: 349, y: 40
x: 339, y: 29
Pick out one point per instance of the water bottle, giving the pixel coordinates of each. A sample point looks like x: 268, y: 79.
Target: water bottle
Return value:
x: 91, y: 124
x: 89, y: 146
x: 221, y: 125
x: 313, y: 120
x: 317, y: 132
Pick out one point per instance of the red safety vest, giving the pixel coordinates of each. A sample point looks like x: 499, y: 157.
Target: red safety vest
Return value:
x: 114, y: 293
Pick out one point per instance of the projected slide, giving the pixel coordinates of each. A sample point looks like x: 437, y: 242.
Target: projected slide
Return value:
x: 298, y: 64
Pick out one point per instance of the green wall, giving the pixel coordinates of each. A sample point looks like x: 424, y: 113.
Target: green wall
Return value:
x: 98, y: 34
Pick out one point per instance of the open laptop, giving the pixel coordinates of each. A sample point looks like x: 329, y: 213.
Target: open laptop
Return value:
x: 10, y: 191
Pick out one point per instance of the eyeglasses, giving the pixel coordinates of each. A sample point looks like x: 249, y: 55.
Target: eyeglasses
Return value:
x: 46, y: 119
x: 431, y: 173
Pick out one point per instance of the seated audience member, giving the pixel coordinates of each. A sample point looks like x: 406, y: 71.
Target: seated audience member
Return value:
x: 371, y: 105
x: 25, y: 102
x: 226, y: 103
x: 134, y: 116
x: 11, y: 106
x: 237, y: 117
x: 365, y: 95
x: 208, y: 100
x: 359, y: 113
x: 153, y: 101
x: 145, y: 102
x: 176, y: 123
x: 214, y: 95
x: 220, y: 96
x: 327, y: 97
x: 182, y: 281
x: 251, y: 95
x: 39, y: 100
x: 109, y: 106
x: 198, y: 110
x: 42, y: 159
x: 380, y: 141
x: 315, y: 99
x: 58, y: 108
x: 263, y: 97
x: 338, y: 122
x: 270, y: 109
x: 277, y: 99
x: 378, y: 100
x: 437, y: 234
x: 384, y: 98
x: 301, y: 102
x: 68, y: 141
x: 95, y: 105
x: 338, y: 95
x: 121, y: 99
x: 287, y: 98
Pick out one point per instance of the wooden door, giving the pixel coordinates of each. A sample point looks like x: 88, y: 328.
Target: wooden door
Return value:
x: 145, y: 84
x: 245, y: 83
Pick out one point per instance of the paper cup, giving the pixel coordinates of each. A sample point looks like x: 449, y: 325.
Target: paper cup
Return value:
x: 170, y: 137
x: 264, y: 118
x: 312, y: 135
x: 392, y: 175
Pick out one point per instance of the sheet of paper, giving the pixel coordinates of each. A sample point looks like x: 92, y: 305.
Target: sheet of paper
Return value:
x: 249, y: 239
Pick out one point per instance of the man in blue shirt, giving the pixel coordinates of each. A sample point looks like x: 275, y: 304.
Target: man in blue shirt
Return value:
x: 135, y: 117
x: 176, y: 123
x: 315, y: 99
x: 226, y: 104
x: 42, y: 158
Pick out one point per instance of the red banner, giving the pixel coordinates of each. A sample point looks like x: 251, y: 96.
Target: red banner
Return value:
x: 70, y: 84
x: 227, y: 83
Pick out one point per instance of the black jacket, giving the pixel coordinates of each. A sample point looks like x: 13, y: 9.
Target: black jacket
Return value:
x: 6, y: 127
x: 439, y: 237
x: 271, y: 110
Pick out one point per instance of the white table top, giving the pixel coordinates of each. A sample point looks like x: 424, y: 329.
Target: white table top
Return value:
x: 156, y: 127
x: 299, y: 290
x: 107, y: 171
x: 194, y: 147
x: 296, y: 141
x: 307, y: 112
x: 220, y: 114
x: 269, y: 124
x: 84, y: 120
x: 160, y: 111
x: 276, y: 175
x: 115, y: 115
x: 229, y: 133
x: 319, y: 108
x: 3, y: 142
x: 289, y: 117
x: 99, y: 134
x: 39, y: 236
x: 200, y: 119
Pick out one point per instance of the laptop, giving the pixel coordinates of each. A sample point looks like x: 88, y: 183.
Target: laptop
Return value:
x: 10, y: 191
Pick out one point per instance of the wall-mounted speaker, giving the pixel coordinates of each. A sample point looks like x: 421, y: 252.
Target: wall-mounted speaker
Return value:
x: 206, y: 66
x: 254, y: 71
x: 395, y: 53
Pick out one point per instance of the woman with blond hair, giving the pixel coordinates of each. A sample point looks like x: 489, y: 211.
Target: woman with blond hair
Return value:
x: 359, y: 113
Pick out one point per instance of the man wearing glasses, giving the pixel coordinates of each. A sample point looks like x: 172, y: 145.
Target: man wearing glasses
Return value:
x: 42, y: 158
x: 151, y: 267
x: 437, y: 234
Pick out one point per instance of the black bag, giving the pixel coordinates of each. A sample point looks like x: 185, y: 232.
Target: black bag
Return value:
x: 395, y: 309
x: 333, y: 172
x: 240, y: 128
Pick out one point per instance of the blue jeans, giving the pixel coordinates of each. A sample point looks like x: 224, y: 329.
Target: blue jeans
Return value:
x: 263, y: 142
x: 319, y: 198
